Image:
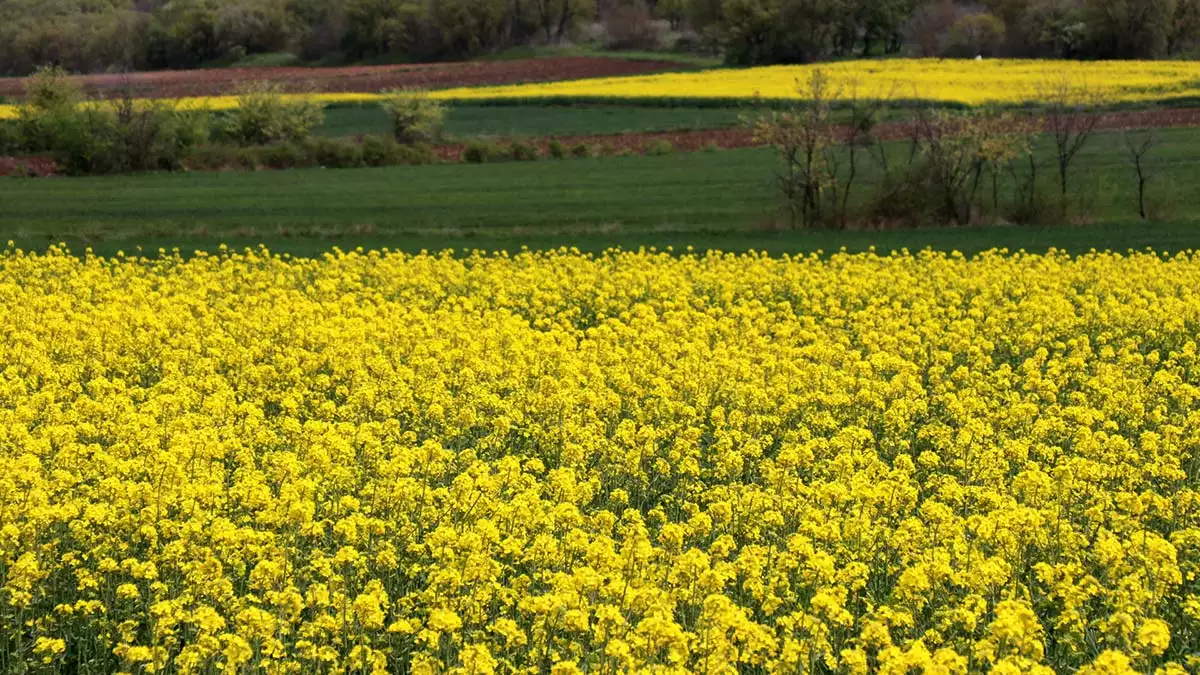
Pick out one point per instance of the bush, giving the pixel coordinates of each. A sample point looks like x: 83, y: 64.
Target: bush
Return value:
x: 86, y: 137
x: 335, y: 153
x: 480, y: 152
x: 263, y: 115
x: 155, y: 136
x: 416, y: 118
x: 10, y: 138
x: 660, y: 147
x: 523, y: 152
x: 386, y: 151
x: 582, y: 150
x: 556, y: 150
x: 381, y: 151
x: 213, y: 157
x: 282, y: 155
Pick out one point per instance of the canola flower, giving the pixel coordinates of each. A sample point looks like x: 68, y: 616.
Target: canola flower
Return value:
x: 633, y: 462
x: 947, y: 81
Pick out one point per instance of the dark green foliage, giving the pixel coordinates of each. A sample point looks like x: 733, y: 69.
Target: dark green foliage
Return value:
x: 482, y: 152
x: 264, y: 115
x: 415, y: 117
x: 100, y: 35
x: 122, y: 35
x: 556, y: 150
x: 466, y: 120
x: 523, y: 152
x: 629, y: 202
x: 87, y: 137
x: 381, y: 151
x: 660, y: 147
x: 333, y: 153
x: 329, y: 153
x: 10, y: 137
x: 285, y: 155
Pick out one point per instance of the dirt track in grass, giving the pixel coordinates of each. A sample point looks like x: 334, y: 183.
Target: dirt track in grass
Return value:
x: 219, y: 81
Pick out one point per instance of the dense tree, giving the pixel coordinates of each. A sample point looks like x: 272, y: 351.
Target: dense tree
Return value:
x: 97, y: 35
x: 1128, y: 29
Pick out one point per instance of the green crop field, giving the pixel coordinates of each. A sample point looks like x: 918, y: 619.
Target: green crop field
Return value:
x: 534, y: 121
x: 719, y: 200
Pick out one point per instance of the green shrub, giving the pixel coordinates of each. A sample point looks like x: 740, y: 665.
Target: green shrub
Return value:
x: 101, y: 136
x: 155, y: 136
x: 556, y: 149
x: 418, y: 154
x: 283, y: 155
x: 582, y: 150
x: 264, y: 115
x: 10, y: 137
x: 52, y: 88
x: 334, y: 153
x: 246, y: 158
x: 381, y: 151
x: 213, y: 157
x: 416, y: 118
x: 51, y: 106
x: 660, y: 147
x: 524, y: 152
x: 480, y: 152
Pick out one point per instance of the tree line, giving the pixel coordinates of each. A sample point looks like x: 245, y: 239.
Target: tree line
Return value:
x: 122, y: 35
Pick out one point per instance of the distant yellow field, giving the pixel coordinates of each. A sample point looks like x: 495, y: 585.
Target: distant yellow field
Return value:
x: 968, y: 82
x: 227, y: 102
x: 949, y: 81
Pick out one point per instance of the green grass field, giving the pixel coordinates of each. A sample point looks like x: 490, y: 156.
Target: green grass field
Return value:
x: 537, y: 121
x: 721, y: 200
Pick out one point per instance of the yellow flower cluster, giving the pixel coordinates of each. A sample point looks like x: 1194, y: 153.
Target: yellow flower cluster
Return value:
x: 557, y: 462
x: 969, y: 82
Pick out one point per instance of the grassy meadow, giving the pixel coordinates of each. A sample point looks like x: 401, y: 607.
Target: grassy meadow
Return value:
x: 724, y: 200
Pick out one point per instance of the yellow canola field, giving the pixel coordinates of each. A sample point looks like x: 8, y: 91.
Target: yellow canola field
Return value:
x: 955, y: 81
x: 970, y: 82
x: 635, y: 462
x: 215, y: 103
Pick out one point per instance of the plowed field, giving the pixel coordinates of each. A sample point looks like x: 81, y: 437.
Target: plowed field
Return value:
x: 216, y: 82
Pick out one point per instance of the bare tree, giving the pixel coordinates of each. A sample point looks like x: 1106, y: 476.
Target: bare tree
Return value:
x: 801, y: 136
x: 820, y: 153
x: 1139, y: 145
x: 1072, y: 112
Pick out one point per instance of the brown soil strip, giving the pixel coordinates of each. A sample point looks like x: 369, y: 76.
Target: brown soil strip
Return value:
x: 702, y: 139
x: 39, y: 167
x: 361, y: 79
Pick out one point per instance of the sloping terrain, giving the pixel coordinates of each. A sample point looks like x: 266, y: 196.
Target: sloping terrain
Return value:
x: 216, y: 82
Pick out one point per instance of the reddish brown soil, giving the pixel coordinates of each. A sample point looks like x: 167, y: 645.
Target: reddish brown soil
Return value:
x: 39, y: 167
x: 691, y: 141
x: 215, y: 82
